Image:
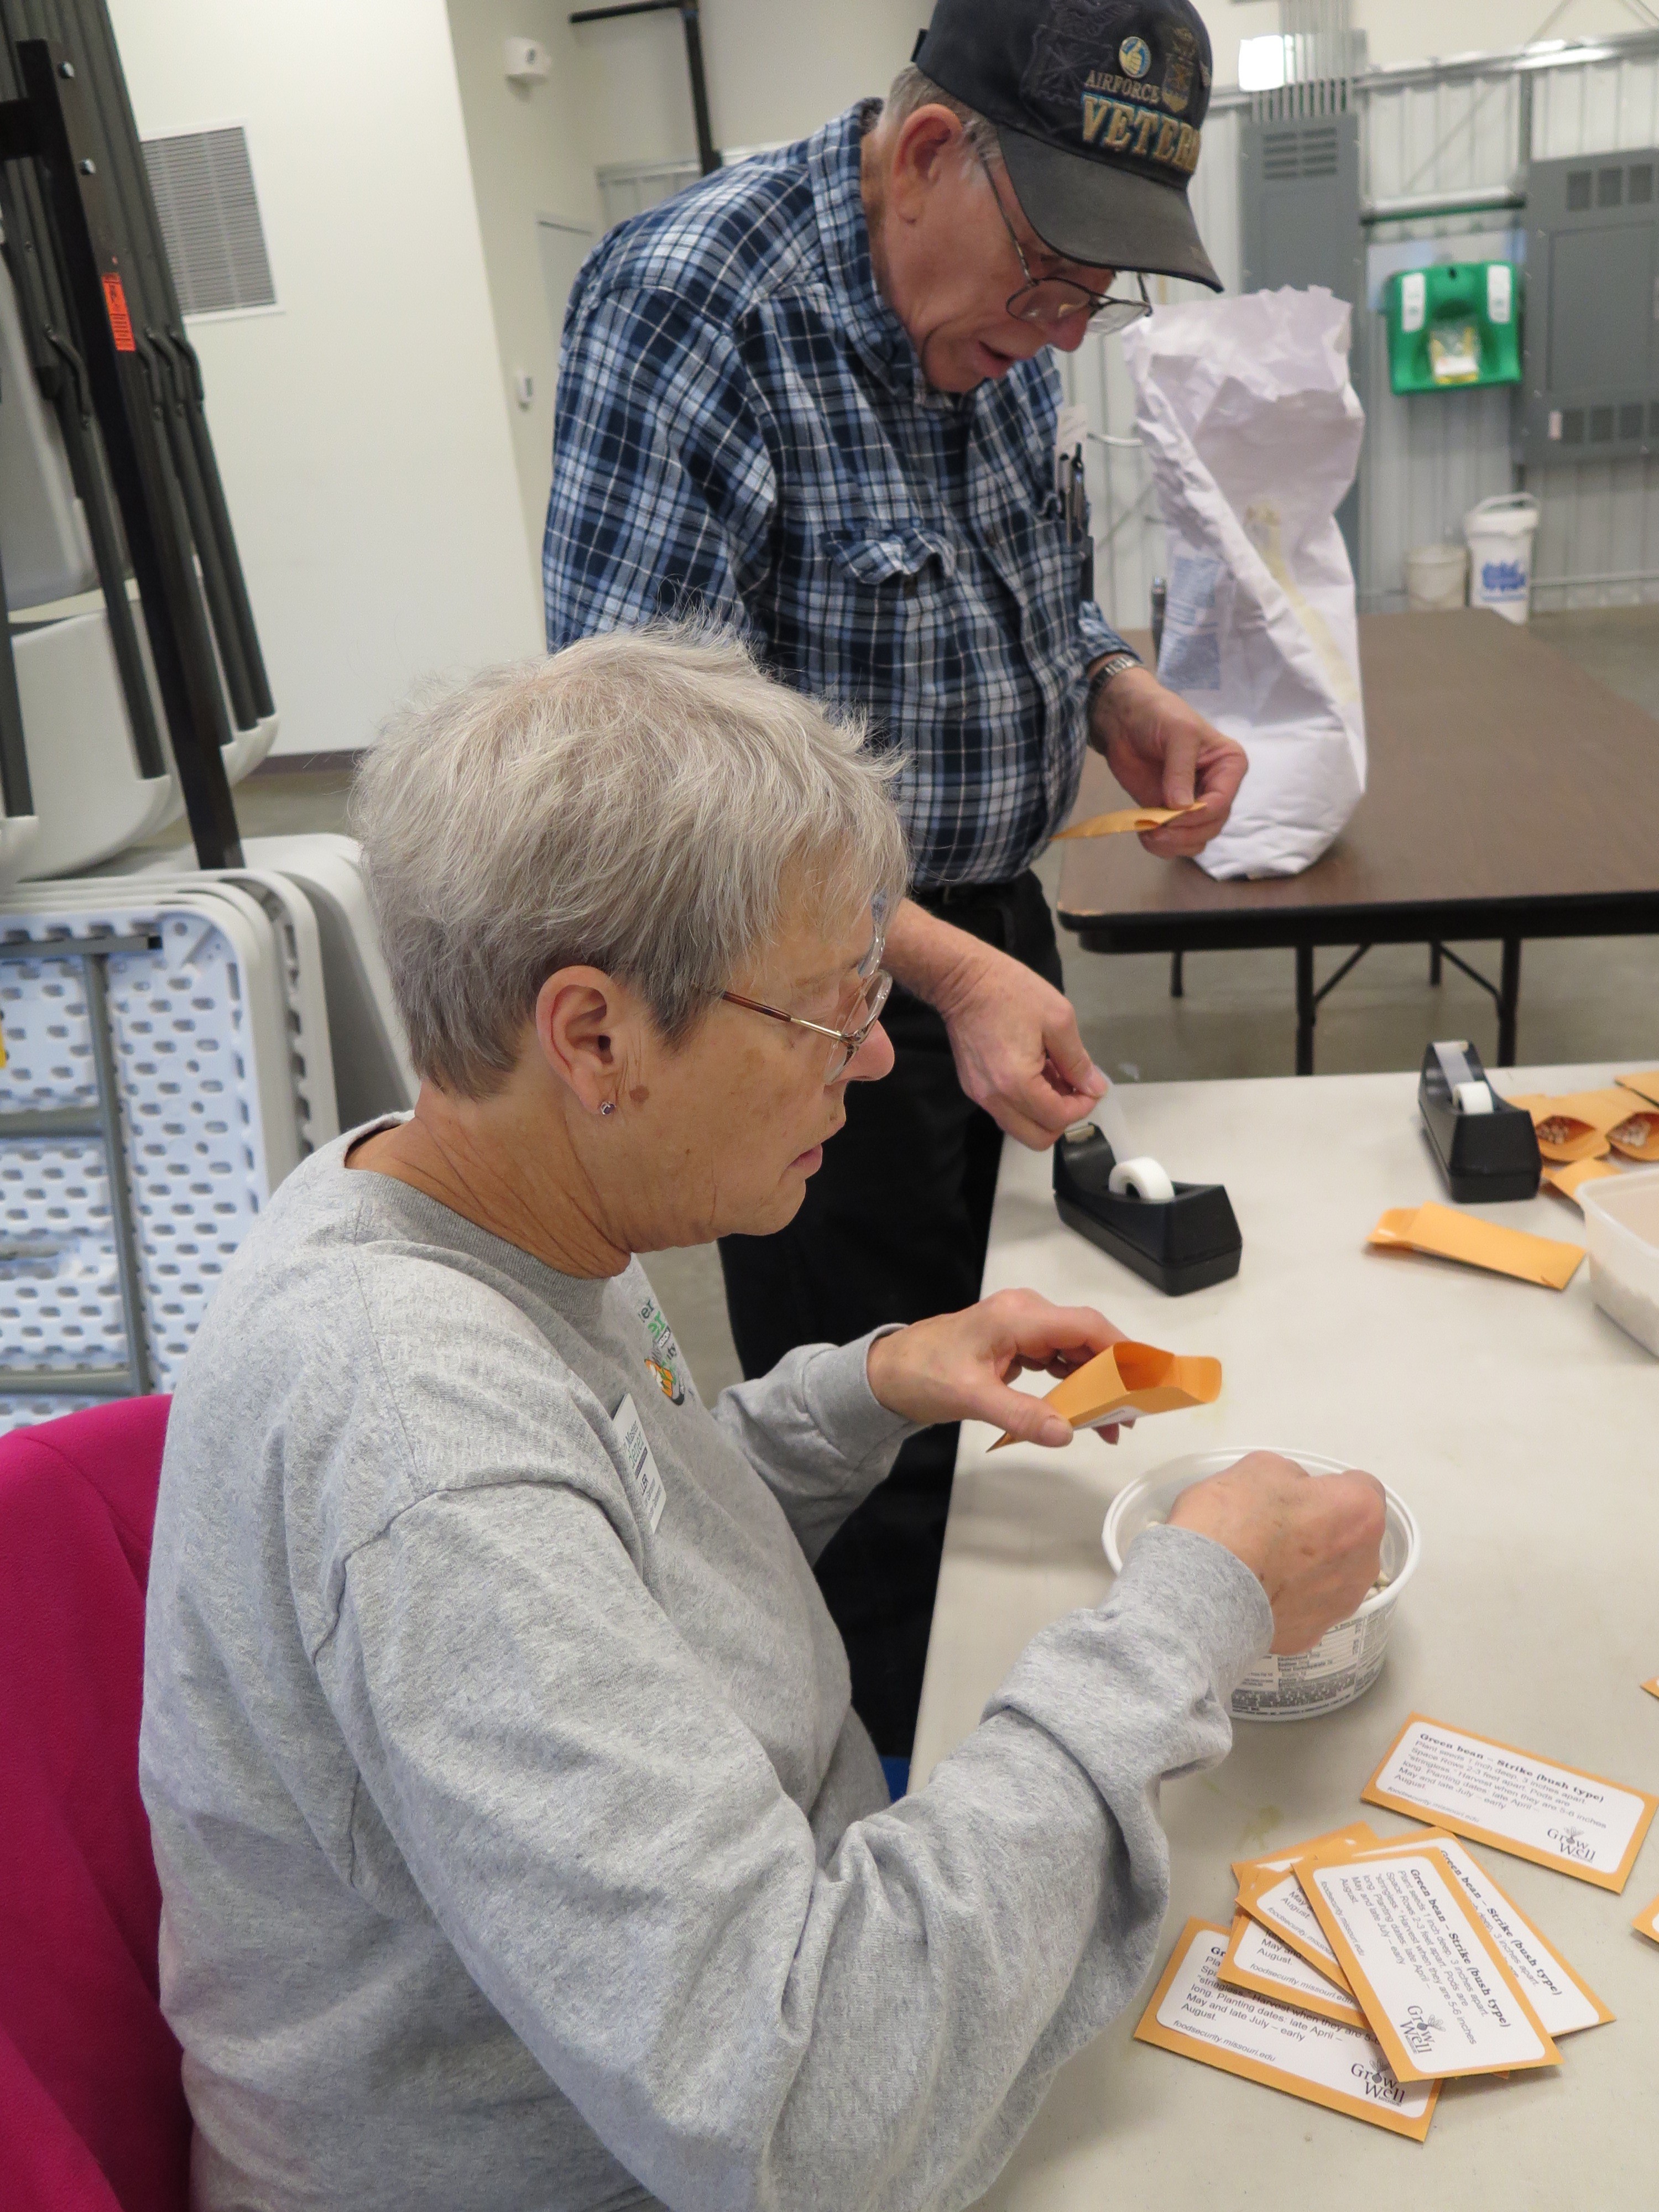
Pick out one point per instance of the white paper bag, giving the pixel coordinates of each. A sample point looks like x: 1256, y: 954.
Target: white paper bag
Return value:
x: 1253, y: 430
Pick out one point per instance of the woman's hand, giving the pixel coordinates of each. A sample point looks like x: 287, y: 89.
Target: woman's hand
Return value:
x: 1314, y: 1543
x: 958, y: 1366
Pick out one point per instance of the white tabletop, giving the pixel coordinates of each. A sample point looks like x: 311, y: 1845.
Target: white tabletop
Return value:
x: 1522, y: 1427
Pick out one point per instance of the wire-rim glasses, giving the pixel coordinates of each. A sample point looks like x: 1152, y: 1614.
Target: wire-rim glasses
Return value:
x: 876, y: 984
x: 1062, y: 299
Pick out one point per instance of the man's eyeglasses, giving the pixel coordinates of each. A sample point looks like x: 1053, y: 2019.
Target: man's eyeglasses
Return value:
x: 1061, y: 299
x: 874, y: 984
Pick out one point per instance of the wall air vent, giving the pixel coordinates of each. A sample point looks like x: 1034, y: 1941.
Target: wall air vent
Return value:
x: 203, y: 182
x: 1293, y: 156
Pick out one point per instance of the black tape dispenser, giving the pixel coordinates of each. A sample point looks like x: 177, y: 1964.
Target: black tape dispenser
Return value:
x: 1179, y: 1236
x: 1486, y: 1147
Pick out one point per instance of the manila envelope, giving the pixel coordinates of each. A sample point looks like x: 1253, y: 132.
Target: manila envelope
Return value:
x: 1126, y: 818
x: 1444, y: 1235
x: 1131, y: 1378
x: 1569, y: 1181
x: 1581, y: 1126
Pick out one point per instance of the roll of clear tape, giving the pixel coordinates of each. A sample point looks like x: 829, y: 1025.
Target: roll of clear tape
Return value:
x: 1474, y: 1098
x: 1144, y: 1178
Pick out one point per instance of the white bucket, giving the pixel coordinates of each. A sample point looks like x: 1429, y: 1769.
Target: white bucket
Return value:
x: 1348, y: 1658
x: 1500, y: 533
x: 1437, y: 577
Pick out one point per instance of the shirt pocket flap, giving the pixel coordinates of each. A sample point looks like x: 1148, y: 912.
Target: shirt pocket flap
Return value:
x: 901, y: 553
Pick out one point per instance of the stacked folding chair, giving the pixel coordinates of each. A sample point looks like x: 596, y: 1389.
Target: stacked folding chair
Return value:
x: 172, y: 1043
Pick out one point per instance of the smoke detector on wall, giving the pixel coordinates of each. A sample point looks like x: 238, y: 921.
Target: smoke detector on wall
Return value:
x: 528, y: 62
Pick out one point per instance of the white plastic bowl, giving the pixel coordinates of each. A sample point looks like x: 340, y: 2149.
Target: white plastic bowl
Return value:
x: 1348, y: 1658
x: 1621, y: 1235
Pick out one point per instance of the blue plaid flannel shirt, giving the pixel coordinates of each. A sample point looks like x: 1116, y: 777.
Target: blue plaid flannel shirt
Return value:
x: 743, y: 427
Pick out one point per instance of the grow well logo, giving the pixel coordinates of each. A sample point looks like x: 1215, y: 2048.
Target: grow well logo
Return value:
x: 1417, y: 2031
x: 1377, y: 2083
x: 1573, y: 1843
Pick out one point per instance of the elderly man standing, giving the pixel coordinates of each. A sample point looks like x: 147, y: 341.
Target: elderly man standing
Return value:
x: 814, y: 397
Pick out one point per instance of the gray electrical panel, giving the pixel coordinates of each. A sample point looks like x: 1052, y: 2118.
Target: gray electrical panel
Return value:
x: 1592, y: 327
x: 1299, y: 180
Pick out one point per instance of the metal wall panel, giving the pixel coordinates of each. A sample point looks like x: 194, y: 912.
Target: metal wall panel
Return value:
x: 1429, y: 458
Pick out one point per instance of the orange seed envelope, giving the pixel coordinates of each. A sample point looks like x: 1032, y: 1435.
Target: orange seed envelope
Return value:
x: 1438, y: 1994
x: 1276, y: 1900
x: 1444, y: 1235
x: 1125, y: 818
x: 1564, y: 2003
x: 1132, y: 1378
x: 1645, y: 1085
x: 1646, y: 1922
x: 1557, y: 1816
x: 1353, y: 1834
x: 1193, y: 2011
x: 1584, y: 1124
x: 1569, y: 1181
x: 1257, y: 1959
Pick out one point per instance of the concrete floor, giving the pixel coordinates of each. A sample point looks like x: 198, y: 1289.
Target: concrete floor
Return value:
x: 1580, y: 999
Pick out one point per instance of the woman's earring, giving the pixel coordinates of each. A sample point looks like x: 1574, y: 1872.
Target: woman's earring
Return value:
x: 609, y: 1107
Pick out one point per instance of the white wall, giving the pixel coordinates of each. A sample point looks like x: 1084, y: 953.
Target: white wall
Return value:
x: 776, y: 70
x: 1422, y: 30
x: 363, y: 430
x: 532, y: 149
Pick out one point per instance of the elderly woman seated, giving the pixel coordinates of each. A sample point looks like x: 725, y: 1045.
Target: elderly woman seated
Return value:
x: 517, y: 1844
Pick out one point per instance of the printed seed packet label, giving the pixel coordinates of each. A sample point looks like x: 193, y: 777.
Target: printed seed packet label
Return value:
x: 1557, y: 1816
x: 1257, y: 1961
x: 1646, y: 1922
x: 1564, y: 2003
x: 1277, y: 1901
x: 1194, y: 2013
x: 1430, y: 1980
x: 1353, y: 1834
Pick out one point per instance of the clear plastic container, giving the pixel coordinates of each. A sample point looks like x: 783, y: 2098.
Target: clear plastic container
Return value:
x: 1348, y: 1658
x: 1621, y: 1235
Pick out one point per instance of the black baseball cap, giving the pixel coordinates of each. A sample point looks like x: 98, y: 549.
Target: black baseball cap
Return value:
x: 1098, y: 105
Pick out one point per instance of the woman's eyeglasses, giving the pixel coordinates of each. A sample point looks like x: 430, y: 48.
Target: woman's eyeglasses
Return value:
x: 1060, y: 299
x: 874, y: 984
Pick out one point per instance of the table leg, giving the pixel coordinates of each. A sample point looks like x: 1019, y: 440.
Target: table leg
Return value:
x: 1306, y: 1012
x: 1178, y: 975
x: 1509, y: 1001
x: 1434, y: 966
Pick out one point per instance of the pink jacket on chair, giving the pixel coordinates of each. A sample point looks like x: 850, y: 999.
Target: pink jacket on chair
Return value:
x: 92, y: 2115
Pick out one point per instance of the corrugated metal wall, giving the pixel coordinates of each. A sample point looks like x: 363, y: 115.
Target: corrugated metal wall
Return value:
x: 1427, y: 459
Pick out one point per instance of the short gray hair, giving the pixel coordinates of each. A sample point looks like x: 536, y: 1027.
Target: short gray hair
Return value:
x: 912, y: 90
x: 642, y: 802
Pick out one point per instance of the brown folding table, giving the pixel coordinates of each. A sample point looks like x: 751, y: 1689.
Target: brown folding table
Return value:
x: 1509, y: 795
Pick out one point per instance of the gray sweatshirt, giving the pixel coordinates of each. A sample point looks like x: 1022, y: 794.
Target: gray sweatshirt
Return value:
x: 517, y: 1844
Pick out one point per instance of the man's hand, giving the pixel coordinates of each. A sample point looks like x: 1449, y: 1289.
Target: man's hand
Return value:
x: 1166, y: 754
x: 1014, y: 1037
x: 958, y: 1366
x: 1314, y: 1543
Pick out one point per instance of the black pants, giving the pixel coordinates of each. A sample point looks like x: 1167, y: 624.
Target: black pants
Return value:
x: 893, y: 1228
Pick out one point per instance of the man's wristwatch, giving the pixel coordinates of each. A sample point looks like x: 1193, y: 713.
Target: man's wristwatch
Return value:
x: 1113, y: 664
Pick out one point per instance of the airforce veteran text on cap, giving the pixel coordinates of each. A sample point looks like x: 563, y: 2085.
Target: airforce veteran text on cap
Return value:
x: 1098, y: 105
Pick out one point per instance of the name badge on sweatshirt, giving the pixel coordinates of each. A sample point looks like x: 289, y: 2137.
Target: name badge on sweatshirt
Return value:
x: 641, y: 1468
